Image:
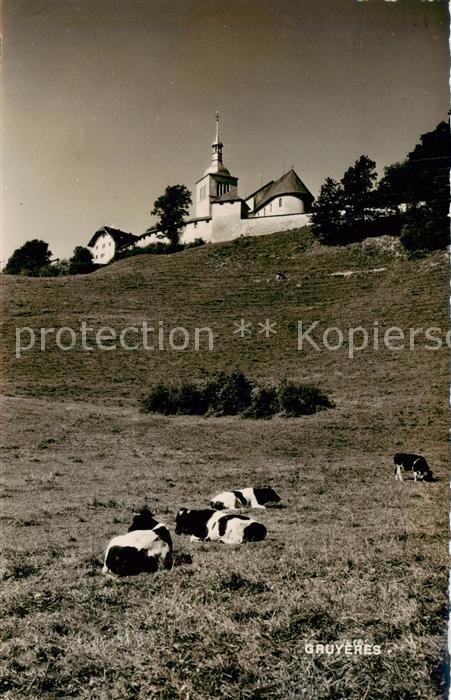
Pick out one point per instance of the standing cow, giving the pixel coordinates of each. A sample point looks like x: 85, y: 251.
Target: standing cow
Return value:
x: 417, y: 464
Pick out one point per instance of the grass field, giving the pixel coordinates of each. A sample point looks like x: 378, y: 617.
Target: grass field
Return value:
x: 353, y: 555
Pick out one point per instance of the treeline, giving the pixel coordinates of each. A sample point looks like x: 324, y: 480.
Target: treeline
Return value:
x: 34, y: 259
x: 411, y: 199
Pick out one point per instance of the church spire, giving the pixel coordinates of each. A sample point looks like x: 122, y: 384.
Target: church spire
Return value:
x: 217, y: 128
x: 216, y: 157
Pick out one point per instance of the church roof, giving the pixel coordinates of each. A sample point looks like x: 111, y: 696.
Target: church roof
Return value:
x: 290, y: 183
x: 217, y: 167
x: 260, y: 193
x: 121, y: 238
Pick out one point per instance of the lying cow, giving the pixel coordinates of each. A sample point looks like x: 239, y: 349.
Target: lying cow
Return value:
x: 147, y: 544
x: 405, y: 461
x: 209, y: 525
x: 245, y: 498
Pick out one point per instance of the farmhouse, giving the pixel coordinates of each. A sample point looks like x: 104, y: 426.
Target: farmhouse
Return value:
x: 107, y: 241
x: 221, y: 214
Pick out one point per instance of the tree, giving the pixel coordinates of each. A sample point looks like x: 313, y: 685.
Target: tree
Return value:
x: 429, y: 163
x: 358, y: 190
x: 33, y: 258
x: 423, y: 175
x: 343, y: 210
x: 327, y: 213
x: 81, y: 262
x: 396, y: 186
x: 172, y: 207
x: 421, y: 182
x: 425, y: 228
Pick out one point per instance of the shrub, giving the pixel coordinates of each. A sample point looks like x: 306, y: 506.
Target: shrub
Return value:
x: 161, y: 400
x: 302, y: 400
x: 231, y: 394
x: 228, y: 394
x: 265, y: 403
x: 191, y: 400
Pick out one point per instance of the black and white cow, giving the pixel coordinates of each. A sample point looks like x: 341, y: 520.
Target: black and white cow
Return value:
x: 147, y: 544
x: 245, y: 498
x: 211, y: 525
x: 406, y: 461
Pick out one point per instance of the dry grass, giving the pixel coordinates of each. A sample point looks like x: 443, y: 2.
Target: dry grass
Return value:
x: 353, y: 555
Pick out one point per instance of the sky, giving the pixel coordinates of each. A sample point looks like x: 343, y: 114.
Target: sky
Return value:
x: 107, y: 102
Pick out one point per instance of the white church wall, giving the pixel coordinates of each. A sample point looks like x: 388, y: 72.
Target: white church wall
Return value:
x: 226, y: 216
x: 286, y: 204
x: 197, y: 229
x: 259, y: 226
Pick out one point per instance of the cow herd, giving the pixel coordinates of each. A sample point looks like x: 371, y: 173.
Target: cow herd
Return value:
x: 148, y: 543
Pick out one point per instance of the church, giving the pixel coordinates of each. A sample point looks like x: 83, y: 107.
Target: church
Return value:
x: 222, y: 215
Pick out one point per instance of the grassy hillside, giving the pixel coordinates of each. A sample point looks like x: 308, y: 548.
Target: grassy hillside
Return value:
x: 353, y: 555
x: 217, y: 285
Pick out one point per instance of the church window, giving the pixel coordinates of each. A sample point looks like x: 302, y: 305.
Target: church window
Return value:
x: 280, y: 201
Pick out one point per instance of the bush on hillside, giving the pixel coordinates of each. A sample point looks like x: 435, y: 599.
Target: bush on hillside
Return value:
x: 228, y: 394
x: 161, y: 399
x: 233, y: 394
x: 265, y: 403
x: 302, y: 400
x: 191, y: 400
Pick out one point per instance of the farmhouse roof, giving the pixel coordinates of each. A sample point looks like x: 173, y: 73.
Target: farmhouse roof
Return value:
x: 121, y: 238
x: 290, y: 183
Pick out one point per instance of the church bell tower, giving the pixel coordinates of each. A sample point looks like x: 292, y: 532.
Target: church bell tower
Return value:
x: 217, y: 182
